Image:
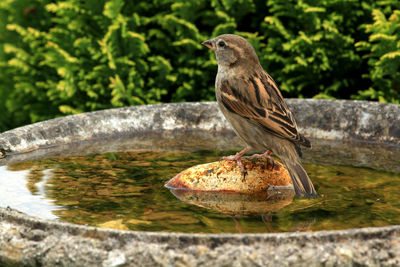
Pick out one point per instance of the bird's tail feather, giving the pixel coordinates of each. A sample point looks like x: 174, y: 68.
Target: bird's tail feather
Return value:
x: 301, y: 182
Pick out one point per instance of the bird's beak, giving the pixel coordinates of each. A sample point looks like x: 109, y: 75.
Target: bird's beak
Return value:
x: 209, y: 44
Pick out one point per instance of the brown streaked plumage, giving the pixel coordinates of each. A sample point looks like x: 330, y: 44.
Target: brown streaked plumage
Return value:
x: 251, y: 101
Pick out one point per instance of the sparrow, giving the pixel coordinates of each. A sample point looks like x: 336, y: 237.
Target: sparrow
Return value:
x: 252, y: 103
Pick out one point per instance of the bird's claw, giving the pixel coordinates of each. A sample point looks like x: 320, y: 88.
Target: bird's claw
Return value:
x: 270, y: 160
x: 238, y: 159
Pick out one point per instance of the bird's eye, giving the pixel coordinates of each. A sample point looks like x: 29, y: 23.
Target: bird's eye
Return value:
x: 221, y: 44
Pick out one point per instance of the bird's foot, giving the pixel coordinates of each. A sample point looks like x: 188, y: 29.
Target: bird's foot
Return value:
x: 267, y: 155
x: 238, y: 158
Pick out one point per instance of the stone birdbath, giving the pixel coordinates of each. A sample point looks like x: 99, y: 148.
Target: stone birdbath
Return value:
x: 30, y: 241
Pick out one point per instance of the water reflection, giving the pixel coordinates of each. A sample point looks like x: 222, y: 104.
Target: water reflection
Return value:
x: 238, y: 205
x: 126, y: 191
x: 24, y: 196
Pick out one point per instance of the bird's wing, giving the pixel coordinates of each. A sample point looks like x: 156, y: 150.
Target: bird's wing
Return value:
x: 262, y: 103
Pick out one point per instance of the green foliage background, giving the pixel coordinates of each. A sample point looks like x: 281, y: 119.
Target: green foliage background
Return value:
x: 71, y: 56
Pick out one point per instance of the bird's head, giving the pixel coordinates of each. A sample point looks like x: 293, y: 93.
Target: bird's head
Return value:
x: 232, y: 50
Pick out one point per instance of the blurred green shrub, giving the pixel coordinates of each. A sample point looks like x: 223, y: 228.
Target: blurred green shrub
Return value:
x: 383, y: 55
x: 71, y: 56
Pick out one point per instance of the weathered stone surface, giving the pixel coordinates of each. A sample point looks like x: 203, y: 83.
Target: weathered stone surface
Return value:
x: 226, y: 176
x: 326, y: 119
x: 348, y: 120
x: 65, y: 244
x: 378, y: 156
x: 113, y: 123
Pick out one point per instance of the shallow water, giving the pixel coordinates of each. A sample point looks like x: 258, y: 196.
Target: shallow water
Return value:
x: 125, y: 190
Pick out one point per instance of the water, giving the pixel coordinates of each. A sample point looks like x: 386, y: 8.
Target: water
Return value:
x: 125, y: 190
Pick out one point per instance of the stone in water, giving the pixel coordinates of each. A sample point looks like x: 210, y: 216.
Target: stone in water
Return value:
x: 226, y: 176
